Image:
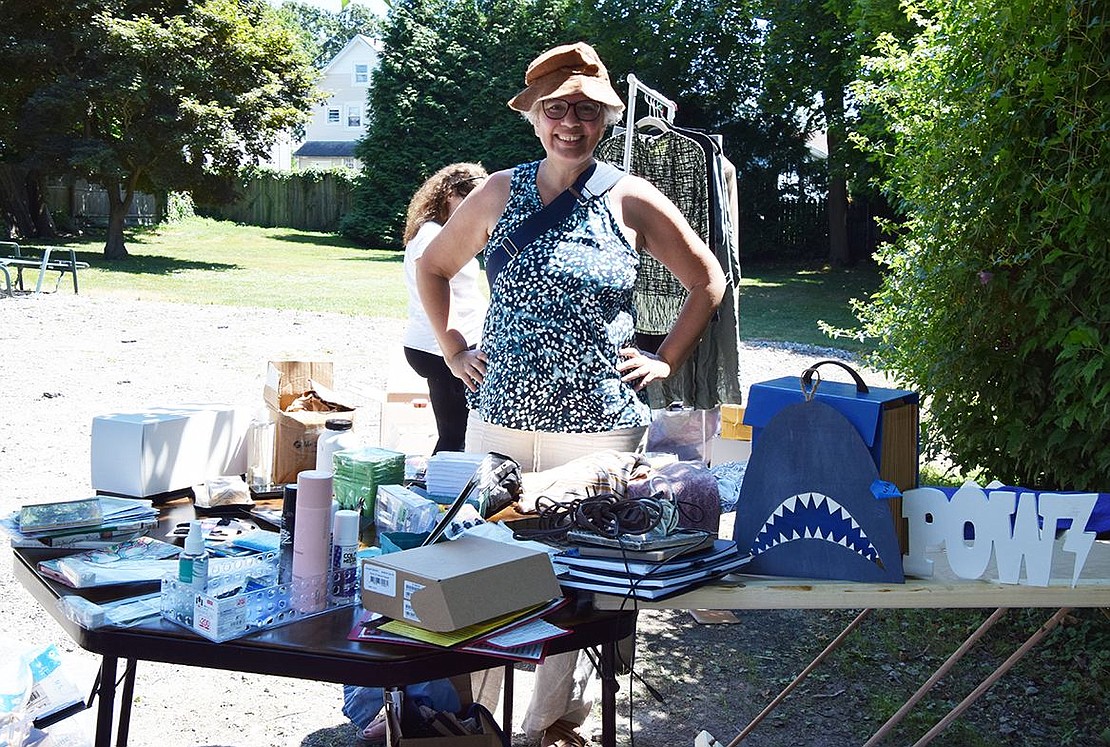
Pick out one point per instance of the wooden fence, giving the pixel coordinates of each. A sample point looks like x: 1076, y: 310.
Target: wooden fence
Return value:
x: 311, y: 201
x: 88, y: 204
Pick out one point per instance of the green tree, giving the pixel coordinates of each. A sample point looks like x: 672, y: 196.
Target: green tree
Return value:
x: 811, y: 53
x: 325, y: 32
x: 150, y: 95
x: 995, y: 303
x: 448, y: 68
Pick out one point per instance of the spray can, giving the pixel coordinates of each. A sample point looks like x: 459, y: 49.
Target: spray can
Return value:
x: 344, y: 557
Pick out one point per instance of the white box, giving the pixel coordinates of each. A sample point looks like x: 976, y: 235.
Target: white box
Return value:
x: 408, y: 423
x: 166, y: 449
x: 729, y: 450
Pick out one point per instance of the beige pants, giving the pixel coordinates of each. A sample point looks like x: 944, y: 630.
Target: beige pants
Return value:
x: 565, y: 686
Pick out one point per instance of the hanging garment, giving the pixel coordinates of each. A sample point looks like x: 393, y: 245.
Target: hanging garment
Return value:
x: 688, y: 167
x: 676, y: 166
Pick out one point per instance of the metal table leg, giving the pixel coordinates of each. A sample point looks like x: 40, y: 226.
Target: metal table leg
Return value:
x: 507, y: 706
x: 126, y: 697
x: 105, y: 690
x: 609, y: 687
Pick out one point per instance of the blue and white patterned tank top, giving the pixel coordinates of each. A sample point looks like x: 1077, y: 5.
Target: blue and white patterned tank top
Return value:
x: 558, y: 314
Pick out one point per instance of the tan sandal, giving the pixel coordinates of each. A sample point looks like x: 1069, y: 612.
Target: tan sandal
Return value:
x: 562, y: 734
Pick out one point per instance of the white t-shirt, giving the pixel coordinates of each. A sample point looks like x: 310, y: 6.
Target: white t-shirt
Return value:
x: 468, y: 303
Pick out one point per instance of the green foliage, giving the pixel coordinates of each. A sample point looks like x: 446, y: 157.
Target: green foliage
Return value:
x: 326, y: 33
x: 179, y: 206
x: 447, y: 69
x: 150, y: 96
x: 996, y: 299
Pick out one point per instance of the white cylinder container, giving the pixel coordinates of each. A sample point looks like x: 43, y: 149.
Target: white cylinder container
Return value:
x: 337, y: 436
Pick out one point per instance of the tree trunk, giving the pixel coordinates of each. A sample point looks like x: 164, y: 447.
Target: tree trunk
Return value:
x: 839, y: 255
x: 118, y: 205
x: 39, y: 205
x: 14, y: 203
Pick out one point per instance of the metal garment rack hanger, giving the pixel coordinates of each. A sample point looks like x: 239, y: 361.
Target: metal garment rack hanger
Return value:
x: 658, y: 106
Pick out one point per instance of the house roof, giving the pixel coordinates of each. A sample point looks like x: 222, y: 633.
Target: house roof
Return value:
x: 327, y: 149
x: 356, y: 41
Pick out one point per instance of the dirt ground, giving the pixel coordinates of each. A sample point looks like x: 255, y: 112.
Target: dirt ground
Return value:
x: 69, y: 358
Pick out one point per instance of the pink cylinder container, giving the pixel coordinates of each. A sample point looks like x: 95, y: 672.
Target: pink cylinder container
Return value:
x: 312, y: 541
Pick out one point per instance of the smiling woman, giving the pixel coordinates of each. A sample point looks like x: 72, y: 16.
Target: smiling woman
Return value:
x: 556, y: 374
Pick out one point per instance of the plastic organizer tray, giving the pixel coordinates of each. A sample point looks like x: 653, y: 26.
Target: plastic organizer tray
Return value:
x: 249, y: 599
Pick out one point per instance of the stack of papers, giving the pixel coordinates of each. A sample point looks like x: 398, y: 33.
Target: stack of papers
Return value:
x: 448, y: 473
x: 140, y: 560
x: 648, y: 580
x: 89, y: 521
x: 520, y: 636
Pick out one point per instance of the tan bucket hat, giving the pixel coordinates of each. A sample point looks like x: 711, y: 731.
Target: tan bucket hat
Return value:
x: 563, y: 70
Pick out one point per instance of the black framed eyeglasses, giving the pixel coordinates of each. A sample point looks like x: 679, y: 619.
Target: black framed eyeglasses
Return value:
x: 586, y: 110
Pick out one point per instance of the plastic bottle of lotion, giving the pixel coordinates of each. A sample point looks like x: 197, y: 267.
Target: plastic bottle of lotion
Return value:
x: 192, y: 564
x: 337, y: 435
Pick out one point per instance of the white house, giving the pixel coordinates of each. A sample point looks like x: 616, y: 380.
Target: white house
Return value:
x: 340, y: 121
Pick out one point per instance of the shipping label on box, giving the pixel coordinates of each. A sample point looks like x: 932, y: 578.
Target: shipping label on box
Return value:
x: 450, y: 585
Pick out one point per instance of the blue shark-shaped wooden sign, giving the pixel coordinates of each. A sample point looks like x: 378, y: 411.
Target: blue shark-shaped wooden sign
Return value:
x: 808, y: 506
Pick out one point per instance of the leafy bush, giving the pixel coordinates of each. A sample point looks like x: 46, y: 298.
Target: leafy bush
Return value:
x: 996, y: 298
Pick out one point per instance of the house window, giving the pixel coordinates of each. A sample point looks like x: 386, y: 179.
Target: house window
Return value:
x: 333, y: 115
x: 362, y: 74
x: 354, y: 116
x: 349, y: 162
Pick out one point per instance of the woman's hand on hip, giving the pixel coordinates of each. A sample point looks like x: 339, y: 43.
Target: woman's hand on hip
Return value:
x: 640, y: 368
x: 470, y: 366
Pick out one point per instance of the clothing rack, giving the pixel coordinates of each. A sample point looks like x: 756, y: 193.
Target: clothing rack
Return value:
x: 658, y: 106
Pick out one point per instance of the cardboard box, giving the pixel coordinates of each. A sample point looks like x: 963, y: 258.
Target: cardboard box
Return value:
x: 297, y: 431
x: 470, y: 740
x: 408, y: 424
x: 732, y: 424
x: 886, y: 419
x: 167, y: 449
x: 449, y: 585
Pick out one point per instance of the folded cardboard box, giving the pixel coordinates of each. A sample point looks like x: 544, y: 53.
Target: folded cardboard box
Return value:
x: 449, y: 585
x: 167, y: 449
x: 470, y: 740
x: 300, y: 399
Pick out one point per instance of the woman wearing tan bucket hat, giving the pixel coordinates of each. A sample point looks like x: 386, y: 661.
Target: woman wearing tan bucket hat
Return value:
x: 556, y: 375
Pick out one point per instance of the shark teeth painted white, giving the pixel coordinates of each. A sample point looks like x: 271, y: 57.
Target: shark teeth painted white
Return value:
x: 818, y: 517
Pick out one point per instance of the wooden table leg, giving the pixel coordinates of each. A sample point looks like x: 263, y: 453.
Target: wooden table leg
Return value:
x: 994, y: 676
x: 798, y: 680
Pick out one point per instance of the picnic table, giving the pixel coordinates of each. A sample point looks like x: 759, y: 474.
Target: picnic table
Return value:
x: 15, y: 258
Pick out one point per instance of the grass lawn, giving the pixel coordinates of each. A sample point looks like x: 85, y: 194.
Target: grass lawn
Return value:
x: 205, y: 261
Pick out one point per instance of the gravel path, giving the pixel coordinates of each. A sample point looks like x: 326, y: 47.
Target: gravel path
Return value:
x: 69, y: 358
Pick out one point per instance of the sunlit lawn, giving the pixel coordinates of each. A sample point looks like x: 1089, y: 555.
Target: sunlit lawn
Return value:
x: 205, y: 261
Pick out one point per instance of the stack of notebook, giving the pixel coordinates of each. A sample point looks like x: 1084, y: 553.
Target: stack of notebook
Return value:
x: 642, y: 571
x: 448, y: 473
x: 88, y: 522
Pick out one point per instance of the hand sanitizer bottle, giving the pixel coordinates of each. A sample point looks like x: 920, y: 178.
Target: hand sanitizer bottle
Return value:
x: 192, y: 564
